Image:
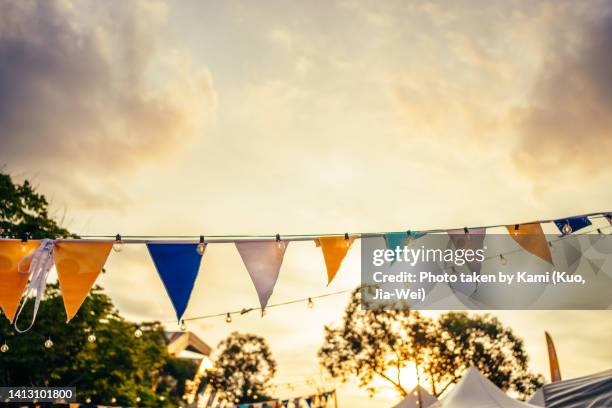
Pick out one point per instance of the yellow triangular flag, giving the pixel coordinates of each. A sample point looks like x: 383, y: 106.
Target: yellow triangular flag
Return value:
x: 78, y: 265
x: 532, y: 239
x: 334, y: 250
x: 12, y: 283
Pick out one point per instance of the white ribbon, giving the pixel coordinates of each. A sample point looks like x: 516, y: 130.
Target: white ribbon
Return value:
x: 41, y: 263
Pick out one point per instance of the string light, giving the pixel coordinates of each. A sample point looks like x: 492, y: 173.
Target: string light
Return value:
x: 138, y: 333
x: 347, y: 241
x: 310, y: 303
x: 48, y: 343
x: 113, y: 400
x: 567, y: 229
x: 4, y: 348
x: 503, y: 260
x: 201, y: 248
x: 228, y: 318
x: 183, y: 326
x: 138, y: 399
x: 118, y: 245
x: 88, y: 400
x: 91, y: 338
x: 279, y: 243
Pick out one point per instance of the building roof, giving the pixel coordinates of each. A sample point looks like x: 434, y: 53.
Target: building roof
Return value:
x: 181, y: 341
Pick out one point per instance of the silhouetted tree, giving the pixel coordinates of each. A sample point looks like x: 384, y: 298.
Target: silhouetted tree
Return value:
x: 243, y: 368
x: 380, y: 343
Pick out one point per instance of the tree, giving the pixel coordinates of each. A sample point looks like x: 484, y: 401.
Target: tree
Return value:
x: 370, y: 343
x: 24, y: 211
x: 243, y: 368
x: 114, y: 363
x: 483, y: 341
x: 98, y: 351
x: 380, y: 343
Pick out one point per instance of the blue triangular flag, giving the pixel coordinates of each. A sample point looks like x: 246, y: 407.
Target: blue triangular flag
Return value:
x: 177, y: 265
x: 308, y: 400
x: 575, y: 223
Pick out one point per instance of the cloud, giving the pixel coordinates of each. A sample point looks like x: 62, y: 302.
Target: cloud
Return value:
x: 567, y: 125
x: 85, y: 87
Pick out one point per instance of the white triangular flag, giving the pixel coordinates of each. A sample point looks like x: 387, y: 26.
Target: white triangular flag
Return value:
x: 263, y: 260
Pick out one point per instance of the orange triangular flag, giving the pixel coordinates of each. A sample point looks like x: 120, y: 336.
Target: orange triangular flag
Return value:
x: 78, y: 265
x: 532, y: 239
x: 334, y: 250
x: 12, y: 283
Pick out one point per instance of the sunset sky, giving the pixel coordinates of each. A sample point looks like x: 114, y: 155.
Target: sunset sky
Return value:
x: 229, y: 117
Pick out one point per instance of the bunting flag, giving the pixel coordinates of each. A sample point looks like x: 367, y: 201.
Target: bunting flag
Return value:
x: 472, y: 239
x: 308, y: 401
x: 12, y: 282
x: 574, y: 223
x: 400, y: 239
x: 555, y: 371
x: 334, y: 250
x: 177, y: 265
x: 78, y: 265
x: 531, y: 237
x: 263, y: 260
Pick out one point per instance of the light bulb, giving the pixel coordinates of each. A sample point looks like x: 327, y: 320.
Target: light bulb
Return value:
x: 567, y: 229
x: 91, y: 338
x: 201, y: 248
x: 280, y: 245
x: 310, y: 303
x: 138, y: 399
x: 503, y: 260
x: 255, y: 397
x: 113, y: 400
x: 228, y: 318
x: 48, y: 343
x: 138, y: 333
x: 183, y: 326
x: 161, y: 398
x: 347, y: 243
x: 117, y: 246
x: 88, y: 400
x: 4, y: 348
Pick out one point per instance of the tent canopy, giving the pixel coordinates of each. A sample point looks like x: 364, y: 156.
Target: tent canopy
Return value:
x: 590, y: 391
x: 412, y: 399
x: 476, y: 391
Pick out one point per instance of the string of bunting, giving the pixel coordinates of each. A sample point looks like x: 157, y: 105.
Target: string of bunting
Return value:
x: 25, y: 264
x: 310, y: 401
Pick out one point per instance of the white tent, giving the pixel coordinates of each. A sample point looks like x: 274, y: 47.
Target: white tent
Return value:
x: 476, y: 391
x: 590, y: 391
x: 412, y: 399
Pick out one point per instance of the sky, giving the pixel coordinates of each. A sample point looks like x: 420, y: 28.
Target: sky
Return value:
x: 237, y: 117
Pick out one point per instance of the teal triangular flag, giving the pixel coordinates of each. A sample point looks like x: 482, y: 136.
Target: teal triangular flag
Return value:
x: 400, y: 239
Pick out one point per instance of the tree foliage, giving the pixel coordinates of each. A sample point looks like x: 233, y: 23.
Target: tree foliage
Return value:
x: 117, y: 364
x: 24, y: 211
x: 380, y: 343
x: 243, y: 368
